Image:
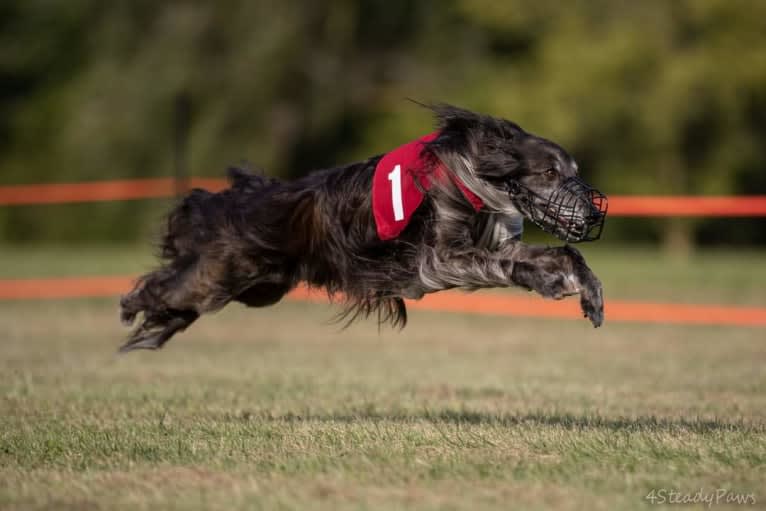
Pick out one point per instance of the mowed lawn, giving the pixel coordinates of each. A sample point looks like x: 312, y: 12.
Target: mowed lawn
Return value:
x: 277, y: 408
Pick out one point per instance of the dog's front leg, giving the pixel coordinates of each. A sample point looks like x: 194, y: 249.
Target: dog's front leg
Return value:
x: 554, y: 272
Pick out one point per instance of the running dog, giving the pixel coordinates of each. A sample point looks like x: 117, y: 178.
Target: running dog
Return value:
x: 443, y: 211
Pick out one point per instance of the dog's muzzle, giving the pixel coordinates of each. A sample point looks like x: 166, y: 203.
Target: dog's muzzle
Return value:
x: 573, y: 213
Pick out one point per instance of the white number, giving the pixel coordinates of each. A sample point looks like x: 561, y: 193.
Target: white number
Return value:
x: 396, y: 192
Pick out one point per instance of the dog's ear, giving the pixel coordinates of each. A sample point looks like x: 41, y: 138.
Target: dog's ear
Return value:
x: 449, y: 117
x: 491, y: 143
x: 454, y: 120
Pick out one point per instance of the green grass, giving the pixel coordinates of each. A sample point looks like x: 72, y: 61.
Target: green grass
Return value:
x: 275, y: 408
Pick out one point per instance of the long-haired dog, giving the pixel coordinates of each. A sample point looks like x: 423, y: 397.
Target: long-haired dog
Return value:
x: 444, y: 211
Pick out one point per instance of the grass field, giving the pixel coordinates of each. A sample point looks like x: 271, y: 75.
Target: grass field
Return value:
x: 275, y: 408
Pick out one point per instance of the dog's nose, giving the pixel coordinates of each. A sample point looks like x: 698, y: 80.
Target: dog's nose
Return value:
x: 577, y: 226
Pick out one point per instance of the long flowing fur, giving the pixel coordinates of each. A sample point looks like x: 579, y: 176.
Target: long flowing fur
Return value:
x: 258, y: 239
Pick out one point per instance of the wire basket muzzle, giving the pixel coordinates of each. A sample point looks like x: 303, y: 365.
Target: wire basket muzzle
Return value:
x: 574, y: 212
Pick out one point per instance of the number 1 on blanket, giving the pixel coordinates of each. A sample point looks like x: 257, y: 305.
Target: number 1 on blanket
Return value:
x: 395, y: 176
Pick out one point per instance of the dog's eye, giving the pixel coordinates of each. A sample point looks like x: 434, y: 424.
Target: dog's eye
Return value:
x: 551, y: 173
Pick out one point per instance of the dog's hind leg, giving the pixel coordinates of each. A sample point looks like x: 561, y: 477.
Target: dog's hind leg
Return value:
x: 163, y: 316
x: 146, y: 294
x: 171, y: 299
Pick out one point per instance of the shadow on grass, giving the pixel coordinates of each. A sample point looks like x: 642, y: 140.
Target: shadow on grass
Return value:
x: 563, y: 420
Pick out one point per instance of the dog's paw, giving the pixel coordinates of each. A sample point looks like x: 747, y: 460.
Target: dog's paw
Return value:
x: 592, y: 303
x: 152, y: 342
x: 129, y: 308
x: 127, y: 318
x: 589, y: 286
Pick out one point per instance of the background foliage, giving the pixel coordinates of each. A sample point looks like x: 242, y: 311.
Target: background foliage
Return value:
x: 651, y: 97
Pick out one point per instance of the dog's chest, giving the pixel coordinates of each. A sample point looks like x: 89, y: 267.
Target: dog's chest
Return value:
x: 499, y: 229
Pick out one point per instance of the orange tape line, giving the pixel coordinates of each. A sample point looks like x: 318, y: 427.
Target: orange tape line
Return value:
x: 636, y: 205
x: 66, y: 287
x: 101, y: 190
x: 490, y: 304
x: 745, y: 206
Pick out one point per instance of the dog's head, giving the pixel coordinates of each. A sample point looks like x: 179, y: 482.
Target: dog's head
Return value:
x: 513, y: 171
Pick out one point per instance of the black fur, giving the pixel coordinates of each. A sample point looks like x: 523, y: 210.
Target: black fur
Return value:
x: 258, y: 239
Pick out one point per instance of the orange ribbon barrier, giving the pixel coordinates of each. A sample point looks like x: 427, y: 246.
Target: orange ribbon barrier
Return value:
x: 449, y: 301
x: 533, y: 306
x: 62, y: 193
x: 619, y: 205
x: 66, y: 287
x: 642, y: 206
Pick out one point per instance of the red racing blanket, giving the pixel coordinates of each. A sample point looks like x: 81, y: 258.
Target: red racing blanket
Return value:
x: 400, y: 181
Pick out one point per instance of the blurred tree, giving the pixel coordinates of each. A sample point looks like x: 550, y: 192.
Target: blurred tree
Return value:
x: 651, y: 97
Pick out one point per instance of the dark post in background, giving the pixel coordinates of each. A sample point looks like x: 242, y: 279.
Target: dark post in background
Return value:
x: 181, y: 128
